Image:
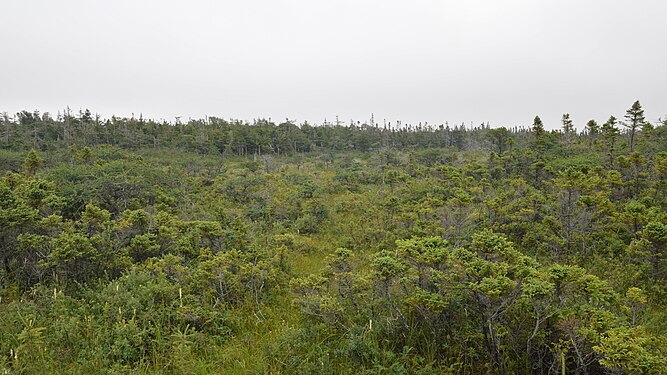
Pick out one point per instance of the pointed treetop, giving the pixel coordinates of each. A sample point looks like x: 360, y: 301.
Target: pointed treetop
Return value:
x: 635, y: 115
x: 567, y: 123
x: 538, y: 126
x: 610, y: 125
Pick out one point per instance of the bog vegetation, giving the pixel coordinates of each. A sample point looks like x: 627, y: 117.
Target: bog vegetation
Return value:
x: 214, y: 246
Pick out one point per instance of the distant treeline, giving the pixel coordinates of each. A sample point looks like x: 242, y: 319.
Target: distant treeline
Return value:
x: 215, y: 135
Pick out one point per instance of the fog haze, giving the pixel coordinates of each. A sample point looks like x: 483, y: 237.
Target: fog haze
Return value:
x: 430, y: 61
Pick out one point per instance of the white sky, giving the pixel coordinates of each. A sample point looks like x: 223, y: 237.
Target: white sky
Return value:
x: 418, y: 60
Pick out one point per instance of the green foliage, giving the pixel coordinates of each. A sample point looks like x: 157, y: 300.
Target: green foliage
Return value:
x: 222, y: 247
x: 633, y: 350
x: 33, y: 162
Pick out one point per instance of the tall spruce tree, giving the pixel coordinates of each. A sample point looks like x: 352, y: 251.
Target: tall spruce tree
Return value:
x: 635, y: 119
x: 610, y: 132
x: 539, y: 134
x: 567, y: 123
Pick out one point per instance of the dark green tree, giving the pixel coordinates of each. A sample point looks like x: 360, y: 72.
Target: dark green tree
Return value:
x: 567, y: 124
x: 593, y: 129
x: 610, y: 132
x: 635, y: 120
x: 539, y: 136
x: 33, y: 162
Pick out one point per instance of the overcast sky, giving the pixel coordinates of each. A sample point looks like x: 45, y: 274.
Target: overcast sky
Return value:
x: 420, y: 60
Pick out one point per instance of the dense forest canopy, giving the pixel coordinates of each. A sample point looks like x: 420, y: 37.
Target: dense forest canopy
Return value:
x: 214, y: 246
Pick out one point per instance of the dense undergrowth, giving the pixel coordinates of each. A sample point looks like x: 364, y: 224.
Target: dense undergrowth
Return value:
x: 360, y: 250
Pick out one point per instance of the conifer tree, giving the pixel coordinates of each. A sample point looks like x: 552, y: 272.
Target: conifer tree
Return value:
x: 539, y: 134
x: 635, y: 119
x: 568, y: 129
x: 610, y: 132
x: 567, y: 123
x: 593, y: 129
x: 33, y: 162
